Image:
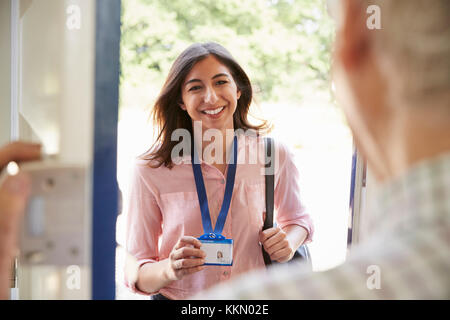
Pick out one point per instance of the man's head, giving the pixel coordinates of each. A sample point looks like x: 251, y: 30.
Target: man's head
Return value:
x: 394, y: 82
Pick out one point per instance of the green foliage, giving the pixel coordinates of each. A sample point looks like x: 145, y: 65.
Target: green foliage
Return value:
x: 284, y: 45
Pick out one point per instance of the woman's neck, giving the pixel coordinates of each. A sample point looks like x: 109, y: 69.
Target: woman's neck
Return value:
x: 215, y: 152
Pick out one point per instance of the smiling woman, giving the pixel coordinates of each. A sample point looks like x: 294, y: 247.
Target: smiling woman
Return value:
x: 210, y: 94
x: 285, y: 48
x: 202, y: 79
x: 173, y: 205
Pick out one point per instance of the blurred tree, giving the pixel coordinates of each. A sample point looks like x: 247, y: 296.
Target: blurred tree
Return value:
x: 284, y: 45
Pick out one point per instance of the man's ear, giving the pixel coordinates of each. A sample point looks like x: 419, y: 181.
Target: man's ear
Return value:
x: 353, y: 33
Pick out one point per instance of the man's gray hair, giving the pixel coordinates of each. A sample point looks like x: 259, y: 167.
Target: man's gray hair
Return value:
x: 414, y: 46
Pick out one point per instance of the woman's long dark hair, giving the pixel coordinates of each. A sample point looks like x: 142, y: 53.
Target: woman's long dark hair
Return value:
x: 168, y: 115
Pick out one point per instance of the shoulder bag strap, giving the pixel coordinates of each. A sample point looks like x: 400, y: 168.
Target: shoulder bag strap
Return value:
x: 269, y: 178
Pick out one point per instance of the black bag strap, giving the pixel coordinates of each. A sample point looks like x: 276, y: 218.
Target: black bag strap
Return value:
x: 303, y: 251
x: 270, y: 183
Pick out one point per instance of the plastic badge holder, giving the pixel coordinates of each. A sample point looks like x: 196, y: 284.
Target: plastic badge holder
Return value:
x: 218, y: 249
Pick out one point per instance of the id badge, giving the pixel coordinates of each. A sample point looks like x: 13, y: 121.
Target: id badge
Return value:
x: 219, y: 252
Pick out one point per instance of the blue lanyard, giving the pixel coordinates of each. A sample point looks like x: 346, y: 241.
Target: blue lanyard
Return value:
x: 203, y: 200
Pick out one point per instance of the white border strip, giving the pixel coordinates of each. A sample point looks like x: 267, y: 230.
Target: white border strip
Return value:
x: 15, y: 27
x: 359, y: 199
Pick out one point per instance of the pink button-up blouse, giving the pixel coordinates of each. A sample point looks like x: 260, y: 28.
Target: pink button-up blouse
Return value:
x: 163, y: 207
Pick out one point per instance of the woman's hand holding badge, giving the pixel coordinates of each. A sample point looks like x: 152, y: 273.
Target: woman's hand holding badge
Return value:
x: 186, y: 258
x: 276, y: 244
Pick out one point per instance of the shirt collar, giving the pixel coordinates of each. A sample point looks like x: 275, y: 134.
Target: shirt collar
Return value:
x: 186, y: 159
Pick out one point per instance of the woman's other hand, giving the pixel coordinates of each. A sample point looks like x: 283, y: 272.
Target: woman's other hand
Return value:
x: 276, y: 244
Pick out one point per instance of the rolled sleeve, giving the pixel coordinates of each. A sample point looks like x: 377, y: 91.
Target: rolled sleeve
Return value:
x: 287, y: 201
x: 131, y: 276
x: 143, y: 228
